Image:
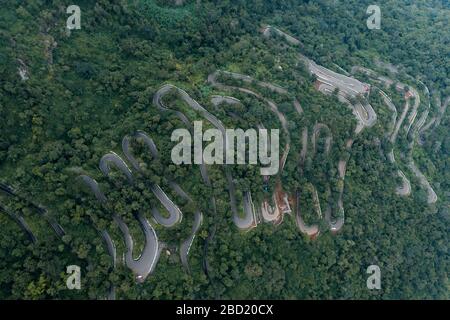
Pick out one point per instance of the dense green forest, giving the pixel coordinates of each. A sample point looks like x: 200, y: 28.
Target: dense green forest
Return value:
x: 68, y: 97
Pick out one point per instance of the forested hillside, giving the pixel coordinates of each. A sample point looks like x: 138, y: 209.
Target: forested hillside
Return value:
x: 70, y: 98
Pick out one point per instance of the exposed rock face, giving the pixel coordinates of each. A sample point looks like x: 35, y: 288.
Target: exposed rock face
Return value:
x: 23, y: 70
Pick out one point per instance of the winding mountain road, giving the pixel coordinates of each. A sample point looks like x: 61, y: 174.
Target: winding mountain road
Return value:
x: 145, y: 264
x: 21, y: 222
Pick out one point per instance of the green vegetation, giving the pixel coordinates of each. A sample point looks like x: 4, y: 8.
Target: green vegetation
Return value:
x: 87, y: 90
